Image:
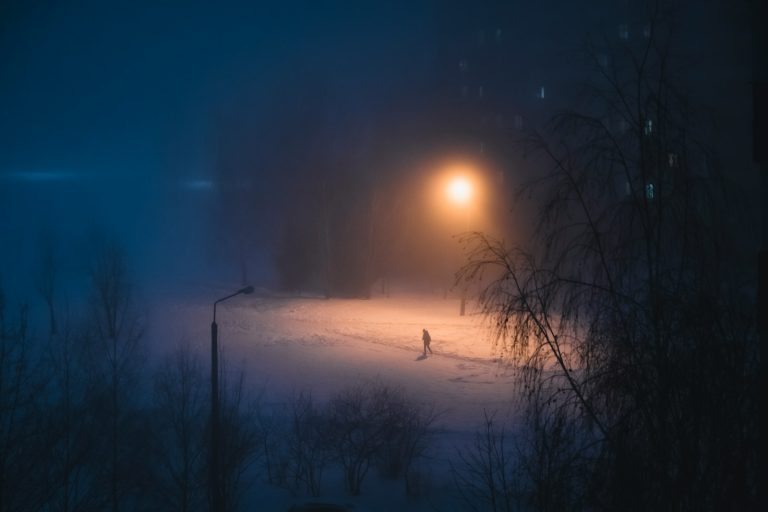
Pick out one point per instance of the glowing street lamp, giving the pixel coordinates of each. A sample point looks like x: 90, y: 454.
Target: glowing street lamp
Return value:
x: 460, y: 192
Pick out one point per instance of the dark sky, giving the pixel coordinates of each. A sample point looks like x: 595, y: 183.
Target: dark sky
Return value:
x: 127, y: 88
x: 113, y: 90
x: 110, y: 110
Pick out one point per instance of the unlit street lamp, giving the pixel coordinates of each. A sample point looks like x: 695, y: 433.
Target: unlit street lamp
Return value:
x: 216, y: 487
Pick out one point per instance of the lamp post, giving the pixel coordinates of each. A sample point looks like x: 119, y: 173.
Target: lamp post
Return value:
x: 460, y: 192
x: 216, y: 490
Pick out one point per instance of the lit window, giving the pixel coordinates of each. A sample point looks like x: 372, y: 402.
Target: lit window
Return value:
x: 647, y: 31
x: 482, y: 147
x: 648, y: 129
x: 540, y: 93
x: 498, y: 36
x: 672, y: 160
x: 463, y: 65
x: 627, y: 188
x: 649, y: 191
x: 480, y: 92
x: 624, y: 31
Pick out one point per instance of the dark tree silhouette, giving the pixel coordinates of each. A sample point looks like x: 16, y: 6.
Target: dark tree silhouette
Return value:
x: 308, y: 450
x: 180, y: 412
x: 115, y: 331
x: 628, y: 309
x: 241, y: 436
x: 47, y: 277
x: 486, y: 474
x: 19, y: 423
x: 377, y: 422
x: 71, y: 425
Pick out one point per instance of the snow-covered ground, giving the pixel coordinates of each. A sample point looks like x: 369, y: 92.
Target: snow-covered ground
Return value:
x: 288, y: 344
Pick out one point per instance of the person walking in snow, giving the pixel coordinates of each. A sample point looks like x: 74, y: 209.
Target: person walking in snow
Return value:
x: 425, y: 337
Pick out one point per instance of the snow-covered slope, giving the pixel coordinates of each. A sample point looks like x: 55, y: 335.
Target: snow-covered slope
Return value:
x: 289, y: 344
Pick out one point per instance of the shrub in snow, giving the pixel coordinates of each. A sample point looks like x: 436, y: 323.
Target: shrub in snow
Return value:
x: 376, y: 424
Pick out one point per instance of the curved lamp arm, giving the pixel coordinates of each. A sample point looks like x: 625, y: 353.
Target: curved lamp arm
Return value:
x: 242, y: 291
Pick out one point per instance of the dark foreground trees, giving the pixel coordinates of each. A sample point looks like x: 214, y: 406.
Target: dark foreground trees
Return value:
x: 78, y: 431
x: 631, y: 312
x: 180, y: 409
x: 19, y: 422
x: 113, y: 353
x: 362, y: 427
x: 377, y: 424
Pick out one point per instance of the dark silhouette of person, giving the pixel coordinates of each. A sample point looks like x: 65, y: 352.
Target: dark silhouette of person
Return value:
x: 426, y: 338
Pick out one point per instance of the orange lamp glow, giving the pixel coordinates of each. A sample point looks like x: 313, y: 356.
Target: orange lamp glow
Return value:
x: 459, y: 190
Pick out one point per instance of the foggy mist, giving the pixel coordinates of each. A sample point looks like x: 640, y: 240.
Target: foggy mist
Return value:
x: 218, y: 133
x: 445, y: 165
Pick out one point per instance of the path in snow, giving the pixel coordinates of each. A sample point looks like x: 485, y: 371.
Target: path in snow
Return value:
x: 290, y: 344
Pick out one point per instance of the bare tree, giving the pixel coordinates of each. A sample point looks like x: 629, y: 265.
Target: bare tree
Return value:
x: 71, y: 425
x: 626, y: 302
x: 376, y: 423
x: 353, y: 419
x: 406, y: 435
x: 18, y: 424
x: 47, y: 277
x: 308, y: 451
x: 486, y: 474
x: 240, y: 434
x: 272, y: 426
x: 116, y: 328
x: 181, y: 406
x: 550, y: 453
